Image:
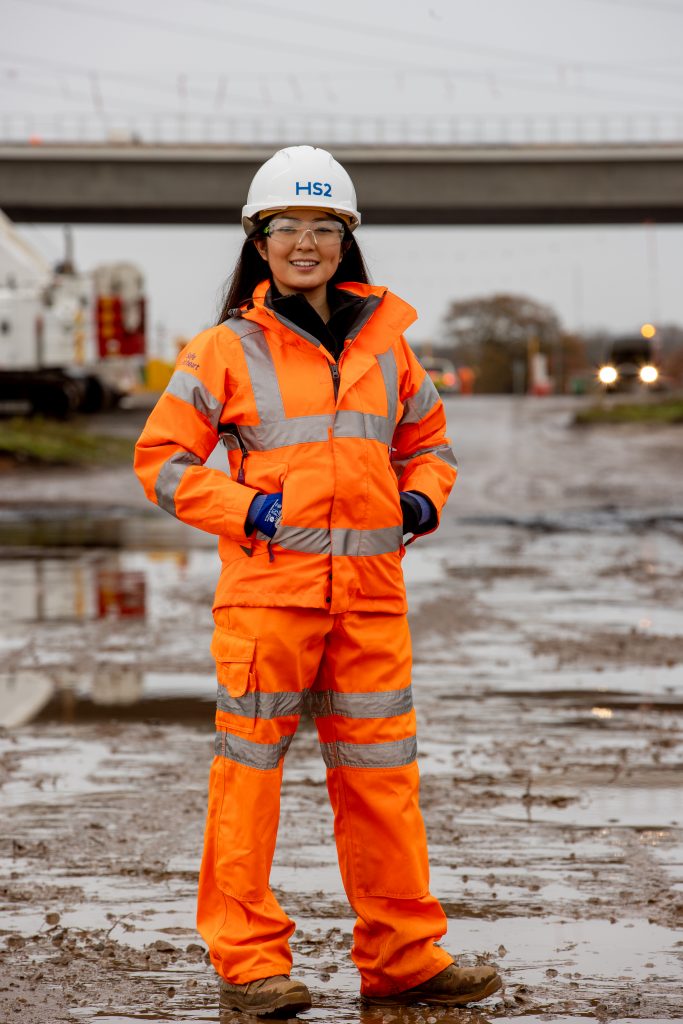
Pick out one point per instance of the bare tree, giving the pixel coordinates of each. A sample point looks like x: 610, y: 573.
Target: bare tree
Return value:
x: 495, y: 335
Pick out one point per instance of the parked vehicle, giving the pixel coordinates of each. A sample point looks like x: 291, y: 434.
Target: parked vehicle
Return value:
x: 443, y: 373
x: 69, y: 341
x: 631, y: 365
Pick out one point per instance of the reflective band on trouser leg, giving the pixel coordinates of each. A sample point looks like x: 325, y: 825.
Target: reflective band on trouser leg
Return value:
x: 369, y: 755
x: 366, y: 724
x: 263, y: 756
x: 257, y: 704
x: 378, y: 704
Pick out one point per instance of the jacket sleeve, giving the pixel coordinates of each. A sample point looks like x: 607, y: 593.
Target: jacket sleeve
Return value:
x: 180, y: 434
x: 422, y: 456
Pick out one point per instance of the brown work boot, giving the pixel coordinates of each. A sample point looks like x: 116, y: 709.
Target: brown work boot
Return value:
x: 278, y: 996
x: 454, y: 986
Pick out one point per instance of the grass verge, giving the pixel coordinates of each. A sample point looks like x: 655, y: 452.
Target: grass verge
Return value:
x: 666, y: 411
x: 50, y: 442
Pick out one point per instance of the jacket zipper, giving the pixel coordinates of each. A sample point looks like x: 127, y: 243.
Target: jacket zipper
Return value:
x: 334, y: 370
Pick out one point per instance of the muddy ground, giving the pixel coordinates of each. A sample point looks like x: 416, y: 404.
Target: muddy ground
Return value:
x: 547, y: 617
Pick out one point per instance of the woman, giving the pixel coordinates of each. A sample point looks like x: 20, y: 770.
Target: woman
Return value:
x: 336, y: 447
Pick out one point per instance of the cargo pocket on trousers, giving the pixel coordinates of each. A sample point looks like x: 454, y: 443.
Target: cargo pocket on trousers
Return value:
x: 235, y: 671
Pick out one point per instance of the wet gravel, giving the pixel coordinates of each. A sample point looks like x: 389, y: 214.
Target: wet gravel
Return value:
x: 549, y: 684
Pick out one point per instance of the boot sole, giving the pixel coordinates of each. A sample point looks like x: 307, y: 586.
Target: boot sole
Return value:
x: 284, y: 1006
x: 405, y: 999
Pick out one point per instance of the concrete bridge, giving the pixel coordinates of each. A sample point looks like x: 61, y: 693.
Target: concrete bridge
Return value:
x: 199, y: 184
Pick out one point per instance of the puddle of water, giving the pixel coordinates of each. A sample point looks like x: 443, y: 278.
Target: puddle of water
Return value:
x: 423, y: 568
x: 55, y: 769
x: 610, y: 520
x: 62, y: 525
x: 617, y: 806
x: 555, y: 1018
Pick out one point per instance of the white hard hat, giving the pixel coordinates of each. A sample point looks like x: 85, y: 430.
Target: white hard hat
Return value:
x: 301, y: 176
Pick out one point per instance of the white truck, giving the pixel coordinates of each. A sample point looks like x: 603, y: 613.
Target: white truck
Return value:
x: 69, y: 342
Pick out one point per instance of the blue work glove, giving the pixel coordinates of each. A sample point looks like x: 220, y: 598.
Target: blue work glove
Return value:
x: 418, y: 511
x: 265, y: 513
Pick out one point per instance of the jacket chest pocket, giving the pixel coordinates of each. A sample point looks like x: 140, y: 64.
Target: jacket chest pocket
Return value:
x: 236, y: 702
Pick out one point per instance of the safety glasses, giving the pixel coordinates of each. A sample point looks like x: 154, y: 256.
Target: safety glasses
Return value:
x: 286, y: 231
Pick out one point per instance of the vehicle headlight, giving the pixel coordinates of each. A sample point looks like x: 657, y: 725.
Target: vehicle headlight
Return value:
x: 649, y: 374
x: 607, y: 375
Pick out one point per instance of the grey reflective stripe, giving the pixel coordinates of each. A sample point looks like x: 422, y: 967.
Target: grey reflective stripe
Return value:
x: 170, y: 475
x: 369, y: 307
x: 314, y: 429
x: 442, y: 451
x: 264, y: 382
x: 448, y: 455
x: 253, y: 755
x: 376, y: 704
x: 387, y: 363
x: 422, y: 402
x: 348, y: 423
x: 260, y: 705
x: 369, y: 755
x: 190, y: 389
x: 361, y: 543
x: 241, y: 327
x: 310, y: 539
x: 356, y: 543
x: 297, y: 430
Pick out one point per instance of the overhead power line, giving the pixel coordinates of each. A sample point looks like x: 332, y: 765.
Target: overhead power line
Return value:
x: 488, y: 77
x: 459, y: 45
x: 346, y: 56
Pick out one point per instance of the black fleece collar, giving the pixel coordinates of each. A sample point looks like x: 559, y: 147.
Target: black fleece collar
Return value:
x: 345, y: 309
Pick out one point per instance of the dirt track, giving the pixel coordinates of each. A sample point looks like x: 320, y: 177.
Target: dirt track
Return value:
x: 548, y: 632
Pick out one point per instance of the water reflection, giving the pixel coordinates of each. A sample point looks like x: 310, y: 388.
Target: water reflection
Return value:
x: 69, y: 589
x: 121, y: 692
x: 378, y: 1015
x: 420, y: 1014
x: 76, y: 626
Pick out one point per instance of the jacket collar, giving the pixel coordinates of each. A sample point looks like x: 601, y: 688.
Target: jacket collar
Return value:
x: 383, y: 317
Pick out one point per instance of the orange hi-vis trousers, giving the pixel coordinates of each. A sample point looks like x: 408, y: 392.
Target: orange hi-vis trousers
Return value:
x: 352, y: 670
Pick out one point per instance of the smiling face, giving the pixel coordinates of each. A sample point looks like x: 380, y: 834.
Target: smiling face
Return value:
x: 300, y: 263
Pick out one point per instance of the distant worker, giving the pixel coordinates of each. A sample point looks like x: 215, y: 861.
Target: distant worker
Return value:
x: 336, y: 449
x: 466, y: 378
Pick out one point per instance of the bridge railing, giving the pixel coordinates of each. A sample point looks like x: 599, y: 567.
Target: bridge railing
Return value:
x: 484, y: 129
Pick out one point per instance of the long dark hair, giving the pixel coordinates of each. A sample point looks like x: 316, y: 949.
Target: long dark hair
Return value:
x: 252, y: 268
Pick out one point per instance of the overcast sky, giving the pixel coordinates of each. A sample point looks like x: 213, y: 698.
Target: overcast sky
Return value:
x: 250, y: 70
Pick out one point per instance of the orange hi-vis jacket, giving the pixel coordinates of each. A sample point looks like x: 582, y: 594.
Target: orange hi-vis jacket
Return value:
x: 339, y: 440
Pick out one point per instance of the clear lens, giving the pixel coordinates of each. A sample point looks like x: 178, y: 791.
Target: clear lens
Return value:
x: 326, y: 233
